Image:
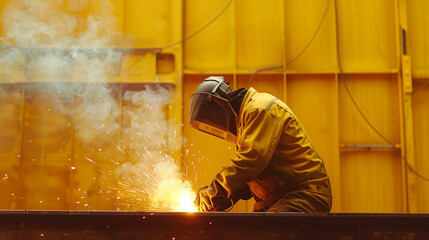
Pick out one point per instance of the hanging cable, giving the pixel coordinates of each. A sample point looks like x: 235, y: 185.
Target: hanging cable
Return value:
x: 152, y: 49
x: 361, y: 113
x: 319, y: 26
x: 160, y: 49
x: 201, y: 29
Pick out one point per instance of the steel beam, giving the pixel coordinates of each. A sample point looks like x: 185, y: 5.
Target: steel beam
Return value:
x: 83, y: 225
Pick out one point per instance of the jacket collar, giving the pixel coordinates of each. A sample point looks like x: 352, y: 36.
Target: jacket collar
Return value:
x: 250, y: 92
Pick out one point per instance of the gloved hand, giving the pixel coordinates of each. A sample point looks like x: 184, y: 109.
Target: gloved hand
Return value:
x: 202, y: 201
x: 207, y: 200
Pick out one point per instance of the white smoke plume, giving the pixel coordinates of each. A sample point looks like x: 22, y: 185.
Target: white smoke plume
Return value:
x: 153, y: 171
x: 50, y: 41
x: 64, y: 50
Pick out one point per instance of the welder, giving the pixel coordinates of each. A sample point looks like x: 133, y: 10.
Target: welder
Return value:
x: 275, y: 162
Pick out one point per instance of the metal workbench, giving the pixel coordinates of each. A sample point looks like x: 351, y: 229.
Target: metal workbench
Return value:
x: 102, y: 225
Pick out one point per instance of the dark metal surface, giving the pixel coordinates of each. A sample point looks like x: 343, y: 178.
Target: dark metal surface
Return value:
x: 82, y: 225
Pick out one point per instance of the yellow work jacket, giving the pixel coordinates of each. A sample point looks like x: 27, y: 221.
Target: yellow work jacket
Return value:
x: 274, y: 156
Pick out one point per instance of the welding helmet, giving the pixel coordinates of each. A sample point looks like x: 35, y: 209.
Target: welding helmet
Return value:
x: 210, y: 109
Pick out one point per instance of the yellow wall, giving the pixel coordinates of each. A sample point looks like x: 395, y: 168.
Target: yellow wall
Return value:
x: 247, y: 36
x: 418, y: 50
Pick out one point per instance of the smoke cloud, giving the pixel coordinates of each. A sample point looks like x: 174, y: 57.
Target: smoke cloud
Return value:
x: 65, y: 51
x: 52, y: 41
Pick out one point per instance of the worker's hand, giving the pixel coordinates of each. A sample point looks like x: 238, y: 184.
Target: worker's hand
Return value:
x: 203, y: 201
x: 208, y: 199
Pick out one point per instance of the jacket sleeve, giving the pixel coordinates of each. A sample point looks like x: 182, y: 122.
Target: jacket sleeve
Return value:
x: 256, y: 144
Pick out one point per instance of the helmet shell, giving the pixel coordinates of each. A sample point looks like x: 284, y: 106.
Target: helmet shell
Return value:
x: 210, y: 109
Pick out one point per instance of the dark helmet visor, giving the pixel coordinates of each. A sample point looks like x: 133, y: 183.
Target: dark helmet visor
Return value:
x: 211, y: 114
x: 205, y: 109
